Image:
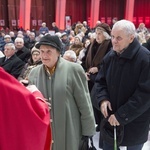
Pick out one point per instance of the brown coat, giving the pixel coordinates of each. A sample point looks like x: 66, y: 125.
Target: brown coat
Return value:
x: 97, y: 58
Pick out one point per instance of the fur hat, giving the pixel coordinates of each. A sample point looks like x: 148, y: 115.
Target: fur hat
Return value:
x: 104, y: 27
x: 63, y: 34
x: 107, y: 132
x: 51, y: 40
x: 7, y: 36
x: 34, y: 49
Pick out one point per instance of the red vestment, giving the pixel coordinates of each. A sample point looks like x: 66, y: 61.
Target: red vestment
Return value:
x: 24, y: 117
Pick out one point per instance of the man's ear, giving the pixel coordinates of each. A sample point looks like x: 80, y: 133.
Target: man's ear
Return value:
x: 131, y: 38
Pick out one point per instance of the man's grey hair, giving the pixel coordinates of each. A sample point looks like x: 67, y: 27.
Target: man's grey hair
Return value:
x: 71, y: 54
x: 11, y: 45
x: 43, y: 23
x: 18, y: 39
x: 127, y: 26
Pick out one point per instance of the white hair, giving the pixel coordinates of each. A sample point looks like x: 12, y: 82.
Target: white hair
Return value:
x: 19, y: 39
x: 107, y: 36
x: 71, y: 54
x: 127, y: 26
x: 44, y: 23
x: 58, y: 34
x: 10, y: 45
x: 93, y: 35
x: 11, y: 33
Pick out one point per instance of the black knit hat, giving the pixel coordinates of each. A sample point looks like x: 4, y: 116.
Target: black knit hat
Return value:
x: 107, y: 132
x: 51, y: 40
x: 104, y: 27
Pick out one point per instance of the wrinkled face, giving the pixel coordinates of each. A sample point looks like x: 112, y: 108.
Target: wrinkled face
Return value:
x: 43, y: 24
x: 32, y: 36
x: 19, y: 44
x: 120, y: 39
x: 7, y: 40
x: 49, y: 55
x: 36, y: 56
x: 99, y: 36
x: 8, y: 51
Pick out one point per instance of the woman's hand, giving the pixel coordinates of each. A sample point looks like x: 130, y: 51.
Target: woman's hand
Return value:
x: 93, y: 70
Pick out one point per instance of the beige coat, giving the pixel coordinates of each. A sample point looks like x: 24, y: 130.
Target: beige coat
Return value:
x: 71, y: 111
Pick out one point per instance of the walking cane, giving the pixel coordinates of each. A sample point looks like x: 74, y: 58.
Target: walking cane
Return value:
x: 115, y: 139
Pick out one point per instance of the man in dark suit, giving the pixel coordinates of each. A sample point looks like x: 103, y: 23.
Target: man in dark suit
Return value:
x: 22, y: 52
x: 11, y: 63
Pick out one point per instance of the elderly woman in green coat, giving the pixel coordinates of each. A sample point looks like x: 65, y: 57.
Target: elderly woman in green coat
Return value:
x: 64, y: 85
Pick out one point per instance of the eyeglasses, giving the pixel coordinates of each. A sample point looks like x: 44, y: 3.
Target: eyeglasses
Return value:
x: 35, y: 54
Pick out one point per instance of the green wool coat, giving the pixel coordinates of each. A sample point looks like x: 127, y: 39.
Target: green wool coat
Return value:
x: 71, y: 108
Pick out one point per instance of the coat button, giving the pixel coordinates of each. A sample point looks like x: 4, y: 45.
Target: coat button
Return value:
x: 126, y: 119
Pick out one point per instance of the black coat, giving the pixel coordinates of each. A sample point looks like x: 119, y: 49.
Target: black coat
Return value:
x: 147, y: 44
x: 24, y: 54
x: 13, y: 65
x: 125, y: 81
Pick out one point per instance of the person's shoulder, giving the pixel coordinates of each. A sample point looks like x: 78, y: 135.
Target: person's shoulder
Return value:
x: 40, y: 66
x: 26, y: 49
x: 71, y: 65
x: 144, y: 53
x: 36, y: 69
x: 18, y: 59
x: 110, y: 54
x: 144, y: 50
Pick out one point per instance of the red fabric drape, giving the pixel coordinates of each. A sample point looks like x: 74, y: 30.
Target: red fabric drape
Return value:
x: 24, y: 118
x: 141, y: 12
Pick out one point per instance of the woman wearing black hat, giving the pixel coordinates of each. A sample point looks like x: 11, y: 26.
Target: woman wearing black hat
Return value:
x: 64, y: 84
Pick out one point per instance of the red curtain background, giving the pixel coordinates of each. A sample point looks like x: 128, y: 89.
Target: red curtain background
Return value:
x: 78, y: 10
x: 142, y: 12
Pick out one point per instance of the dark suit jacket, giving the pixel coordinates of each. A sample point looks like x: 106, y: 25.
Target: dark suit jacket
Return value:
x: 13, y: 65
x: 24, y: 54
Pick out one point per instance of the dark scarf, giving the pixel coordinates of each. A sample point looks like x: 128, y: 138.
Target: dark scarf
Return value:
x: 97, y: 59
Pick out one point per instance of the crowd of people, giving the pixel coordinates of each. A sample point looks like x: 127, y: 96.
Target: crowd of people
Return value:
x: 90, y: 79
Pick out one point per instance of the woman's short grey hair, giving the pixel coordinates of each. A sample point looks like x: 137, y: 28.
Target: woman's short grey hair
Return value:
x: 107, y: 36
x: 11, y: 45
x: 127, y: 26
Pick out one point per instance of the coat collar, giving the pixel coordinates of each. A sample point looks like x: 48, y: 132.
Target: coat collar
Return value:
x: 130, y: 51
